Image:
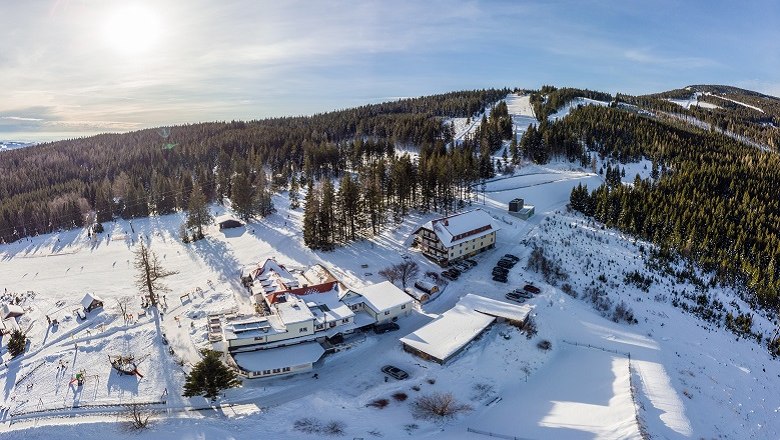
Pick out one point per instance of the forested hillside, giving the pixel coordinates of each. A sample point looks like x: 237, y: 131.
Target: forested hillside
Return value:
x: 58, y: 185
x: 712, y: 198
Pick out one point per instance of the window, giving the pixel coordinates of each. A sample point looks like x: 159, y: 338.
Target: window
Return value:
x: 285, y: 369
x: 387, y: 312
x: 259, y: 338
x: 331, y: 324
x: 276, y: 370
x: 345, y: 320
x: 266, y: 371
x: 303, y: 329
x: 403, y: 306
x: 320, y: 326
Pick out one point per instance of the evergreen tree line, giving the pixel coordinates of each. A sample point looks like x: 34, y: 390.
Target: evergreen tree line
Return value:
x: 715, y: 203
x: 67, y: 184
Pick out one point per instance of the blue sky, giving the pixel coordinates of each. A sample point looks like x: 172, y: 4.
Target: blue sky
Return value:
x: 77, y: 67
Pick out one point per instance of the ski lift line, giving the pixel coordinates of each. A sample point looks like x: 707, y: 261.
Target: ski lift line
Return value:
x: 138, y: 200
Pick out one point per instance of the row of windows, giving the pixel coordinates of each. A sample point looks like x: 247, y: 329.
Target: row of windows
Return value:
x: 276, y: 370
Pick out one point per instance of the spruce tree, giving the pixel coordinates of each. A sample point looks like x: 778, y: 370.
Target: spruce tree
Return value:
x: 198, y: 215
x: 293, y: 193
x: 242, y: 197
x: 17, y: 343
x: 311, y: 217
x: 210, y: 376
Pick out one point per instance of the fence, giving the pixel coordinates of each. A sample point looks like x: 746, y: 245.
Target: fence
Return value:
x: 493, y: 434
x: 642, y: 428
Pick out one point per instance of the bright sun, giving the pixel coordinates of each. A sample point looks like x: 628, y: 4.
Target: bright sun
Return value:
x: 132, y: 29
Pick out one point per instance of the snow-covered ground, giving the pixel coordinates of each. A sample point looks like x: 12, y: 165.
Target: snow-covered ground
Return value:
x: 13, y: 145
x: 693, y: 101
x: 690, y: 379
x: 574, y: 103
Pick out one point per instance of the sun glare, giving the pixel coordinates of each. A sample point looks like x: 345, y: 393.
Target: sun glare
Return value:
x: 132, y: 29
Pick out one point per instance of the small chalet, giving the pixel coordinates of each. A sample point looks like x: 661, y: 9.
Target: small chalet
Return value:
x: 457, y: 237
x: 228, y: 222
x: 91, y: 302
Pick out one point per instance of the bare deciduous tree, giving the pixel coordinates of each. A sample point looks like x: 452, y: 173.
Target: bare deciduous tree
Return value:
x: 404, y: 272
x: 408, y: 270
x: 138, y: 419
x: 438, y: 406
x: 150, y: 273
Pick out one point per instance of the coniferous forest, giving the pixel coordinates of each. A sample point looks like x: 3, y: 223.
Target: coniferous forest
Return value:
x: 712, y: 198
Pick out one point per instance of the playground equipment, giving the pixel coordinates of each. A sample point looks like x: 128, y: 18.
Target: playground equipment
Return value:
x: 125, y: 365
x: 79, y: 378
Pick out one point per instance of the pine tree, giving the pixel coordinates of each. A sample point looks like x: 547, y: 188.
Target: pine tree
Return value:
x: 17, y: 343
x: 242, y: 197
x: 210, y: 376
x: 293, y: 193
x: 311, y: 217
x: 263, y: 203
x: 198, y: 215
x: 326, y: 216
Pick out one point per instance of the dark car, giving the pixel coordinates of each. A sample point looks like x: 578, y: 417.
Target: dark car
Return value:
x: 386, y: 327
x: 395, y: 372
x: 511, y: 257
x: 471, y: 262
x: 454, y: 272
x: 505, y: 263
x: 532, y: 289
x: 500, y: 272
x: 448, y: 275
x: 500, y: 278
x: 512, y: 296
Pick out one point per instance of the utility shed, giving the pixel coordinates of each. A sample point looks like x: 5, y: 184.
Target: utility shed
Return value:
x: 91, y: 302
x: 228, y: 222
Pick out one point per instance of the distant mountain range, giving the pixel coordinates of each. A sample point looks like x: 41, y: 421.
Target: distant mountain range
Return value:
x: 13, y: 145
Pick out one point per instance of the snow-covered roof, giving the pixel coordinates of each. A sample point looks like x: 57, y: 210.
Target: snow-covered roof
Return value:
x: 226, y: 217
x: 445, y: 335
x: 293, y: 310
x: 492, y: 307
x: 88, y: 299
x: 273, y: 277
x: 450, y: 332
x: 462, y: 227
x: 278, y: 358
x: 383, y: 296
x: 12, y: 310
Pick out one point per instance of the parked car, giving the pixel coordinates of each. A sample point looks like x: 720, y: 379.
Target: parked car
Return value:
x: 447, y: 275
x: 532, y: 289
x: 471, y: 262
x: 454, y: 271
x: 506, y: 264
x: 514, y: 297
x: 395, y: 372
x: 500, y: 270
x: 463, y: 267
x: 512, y: 257
x: 386, y: 327
x: 500, y: 278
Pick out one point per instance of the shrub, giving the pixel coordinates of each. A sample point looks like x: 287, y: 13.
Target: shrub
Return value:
x: 400, y: 396
x: 416, y: 387
x: 310, y: 425
x: 431, y: 381
x: 438, y: 406
x: 379, y: 403
x: 544, y: 345
x: 138, y: 419
x: 17, y: 343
